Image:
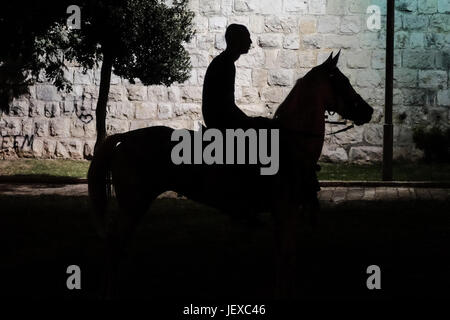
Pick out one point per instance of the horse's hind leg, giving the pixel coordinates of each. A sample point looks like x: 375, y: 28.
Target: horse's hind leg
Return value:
x: 133, y: 203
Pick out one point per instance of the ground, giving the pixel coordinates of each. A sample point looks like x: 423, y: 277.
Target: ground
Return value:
x: 187, y: 250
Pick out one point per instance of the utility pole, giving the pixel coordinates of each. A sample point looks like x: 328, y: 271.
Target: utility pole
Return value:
x: 388, y: 128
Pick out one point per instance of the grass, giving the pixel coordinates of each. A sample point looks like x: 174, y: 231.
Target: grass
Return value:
x: 187, y: 250
x: 38, y: 170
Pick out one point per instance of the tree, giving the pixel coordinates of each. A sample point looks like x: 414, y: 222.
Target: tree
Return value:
x: 31, y: 46
x: 140, y: 39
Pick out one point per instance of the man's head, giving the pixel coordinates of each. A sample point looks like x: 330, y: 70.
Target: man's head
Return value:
x: 238, y: 38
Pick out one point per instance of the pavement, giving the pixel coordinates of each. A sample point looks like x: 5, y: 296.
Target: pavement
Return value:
x: 331, y: 192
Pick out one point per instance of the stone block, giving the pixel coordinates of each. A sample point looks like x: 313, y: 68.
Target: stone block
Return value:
x: 281, y: 77
x: 165, y: 111
x: 317, y: 7
x: 209, y: 7
x: 287, y: 59
x: 243, y: 77
x: 270, y: 40
x: 350, y: 24
x: 443, y: 97
x: 435, y: 79
x: 47, y: 93
x: 291, y: 41
x: 217, y: 24
x: 284, y: 24
x: 60, y: 127
x: 328, y: 24
x: 137, y: 92
x: 259, y: 77
x: 358, y: 59
x: 297, y: 6
x: 307, y: 59
x: 428, y: 6
x: 114, y: 126
x: 365, y: 154
x: 146, y: 110
x: 191, y: 94
x: 307, y: 25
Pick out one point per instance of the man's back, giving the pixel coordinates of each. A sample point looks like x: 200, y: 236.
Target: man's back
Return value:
x: 218, y: 107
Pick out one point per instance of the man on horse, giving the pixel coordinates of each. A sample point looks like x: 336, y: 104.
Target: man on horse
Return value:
x: 219, y: 108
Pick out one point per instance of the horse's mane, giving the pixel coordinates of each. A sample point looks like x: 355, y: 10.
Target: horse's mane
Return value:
x: 286, y: 106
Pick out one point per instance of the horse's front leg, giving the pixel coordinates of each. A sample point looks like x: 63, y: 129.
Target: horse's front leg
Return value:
x: 286, y: 247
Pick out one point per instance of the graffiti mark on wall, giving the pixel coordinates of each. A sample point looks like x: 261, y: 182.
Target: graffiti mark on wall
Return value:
x: 83, y: 115
x: 19, y: 142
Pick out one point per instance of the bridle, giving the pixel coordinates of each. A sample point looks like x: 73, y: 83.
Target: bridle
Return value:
x: 332, y: 113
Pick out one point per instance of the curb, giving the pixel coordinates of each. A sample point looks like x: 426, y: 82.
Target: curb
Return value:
x: 323, y: 183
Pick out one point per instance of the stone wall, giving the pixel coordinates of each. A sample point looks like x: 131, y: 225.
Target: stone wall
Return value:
x: 289, y: 37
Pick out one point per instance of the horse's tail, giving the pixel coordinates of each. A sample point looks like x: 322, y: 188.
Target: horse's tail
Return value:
x: 99, y: 182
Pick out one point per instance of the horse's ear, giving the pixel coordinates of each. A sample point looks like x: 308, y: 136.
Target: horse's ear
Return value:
x: 329, y: 60
x: 335, y: 60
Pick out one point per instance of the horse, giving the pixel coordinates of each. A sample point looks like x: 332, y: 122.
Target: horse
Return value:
x: 139, y: 167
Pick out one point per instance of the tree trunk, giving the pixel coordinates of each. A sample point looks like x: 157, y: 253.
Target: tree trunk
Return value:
x: 100, y: 112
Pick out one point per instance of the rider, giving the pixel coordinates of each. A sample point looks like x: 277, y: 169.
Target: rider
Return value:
x: 219, y: 108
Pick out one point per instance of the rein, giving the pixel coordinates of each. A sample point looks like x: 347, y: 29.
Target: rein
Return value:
x: 338, y: 123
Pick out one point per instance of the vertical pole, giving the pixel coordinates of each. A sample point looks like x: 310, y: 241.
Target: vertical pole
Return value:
x: 388, y: 126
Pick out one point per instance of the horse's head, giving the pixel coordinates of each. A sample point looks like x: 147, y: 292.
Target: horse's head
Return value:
x: 337, y: 92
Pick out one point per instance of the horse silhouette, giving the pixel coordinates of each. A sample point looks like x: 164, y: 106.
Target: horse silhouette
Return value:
x: 139, y: 164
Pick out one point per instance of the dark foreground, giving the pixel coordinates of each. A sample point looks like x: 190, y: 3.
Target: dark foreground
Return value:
x: 187, y: 251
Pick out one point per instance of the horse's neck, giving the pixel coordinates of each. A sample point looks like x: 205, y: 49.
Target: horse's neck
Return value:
x: 304, y: 115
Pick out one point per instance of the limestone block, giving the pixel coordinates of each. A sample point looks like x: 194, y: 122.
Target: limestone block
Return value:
x: 297, y: 6
x: 69, y: 148
x: 256, y: 24
x: 291, y: 41
x: 365, y: 154
x: 41, y: 128
x: 287, y: 59
x: 191, y: 110
x: 443, y: 97
x: 165, y: 111
x: 114, y: 126
x: 368, y: 78
x: 358, y: 59
x: 281, y: 77
x: 433, y: 79
x: 350, y: 24
x: 405, y: 77
x: 137, y: 92
x: 317, y: 7
x: 209, y: 7
x: 428, y: 6
x: 307, y: 59
x: 47, y: 92
x: 270, y: 40
x: 79, y: 77
x: 443, y: 6
x: 328, y: 24
x: 191, y: 94
x: 158, y: 93
x: 273, y: 94
x: 243, y: 77
x: 220, y: 43
x: 145, y: 110
x: 200, y: 24
x: 259, y: 77
x: 330, y: 154
x: 281, y: 24
x: 307, y: 25
x: 76, y: 129
x: 52, y: 109
x: 60, y: 127
x: 117, y: 93
x: 217, y: 24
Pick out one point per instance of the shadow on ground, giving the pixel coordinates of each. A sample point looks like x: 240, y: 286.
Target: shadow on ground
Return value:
x: 185, y: 250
